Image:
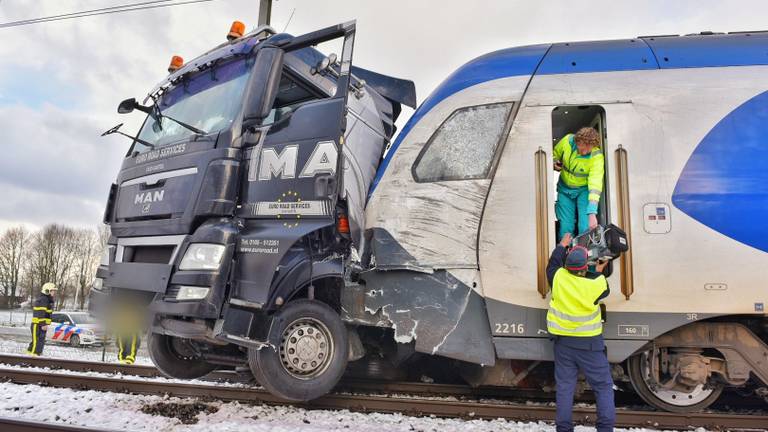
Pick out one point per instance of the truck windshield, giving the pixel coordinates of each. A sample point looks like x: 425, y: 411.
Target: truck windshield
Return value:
x: 209, y: 101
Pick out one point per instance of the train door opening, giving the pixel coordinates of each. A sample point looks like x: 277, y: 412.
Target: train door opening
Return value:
x: 568, y: 119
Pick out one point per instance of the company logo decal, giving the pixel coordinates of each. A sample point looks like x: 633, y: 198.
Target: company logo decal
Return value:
x: 148, y: 197
x: 270, y: 163
x: 724, y: 184
x: 290, y: 208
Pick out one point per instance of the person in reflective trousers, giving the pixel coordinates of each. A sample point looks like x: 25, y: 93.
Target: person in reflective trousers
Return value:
x: 579, y: 159
x: 42, y: 310
x: 575, y: 323
x: 127, y: 323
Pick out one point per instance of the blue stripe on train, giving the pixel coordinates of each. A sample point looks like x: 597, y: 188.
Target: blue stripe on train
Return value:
x: 724, y: 184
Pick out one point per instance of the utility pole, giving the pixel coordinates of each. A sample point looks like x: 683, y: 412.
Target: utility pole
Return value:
x: 265, y: 12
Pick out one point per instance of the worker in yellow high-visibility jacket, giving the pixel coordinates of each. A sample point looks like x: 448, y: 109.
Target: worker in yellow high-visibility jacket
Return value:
x: 575, y: 323
x: 42, y: 310
x: 579, y: 159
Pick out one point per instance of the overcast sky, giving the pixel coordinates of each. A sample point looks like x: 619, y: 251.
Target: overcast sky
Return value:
x: 60, y: 82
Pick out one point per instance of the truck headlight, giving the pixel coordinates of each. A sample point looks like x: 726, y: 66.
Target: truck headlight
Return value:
x: 192, y: 293
x: 202, y: 256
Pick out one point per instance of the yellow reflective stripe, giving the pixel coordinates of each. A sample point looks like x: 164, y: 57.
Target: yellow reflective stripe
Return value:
x: 576, y: 330
x: 120, y: 348
x: 574, y: 318
x: 133, y: 348
x: 595, y: 192
x: 597, y: 152
x: 42, y: 308
x: 41, y: 320
x: 34, y: 338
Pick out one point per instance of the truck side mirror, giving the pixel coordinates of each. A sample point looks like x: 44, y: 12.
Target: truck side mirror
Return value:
x: 263, y: 84
x: 128, y: 105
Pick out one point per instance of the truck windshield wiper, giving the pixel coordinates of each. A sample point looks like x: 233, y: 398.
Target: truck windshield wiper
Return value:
x: 116, y: 130
x: 158, y: 115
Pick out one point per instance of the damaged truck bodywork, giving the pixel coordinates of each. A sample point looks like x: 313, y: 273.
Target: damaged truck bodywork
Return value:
x: 239, y: 204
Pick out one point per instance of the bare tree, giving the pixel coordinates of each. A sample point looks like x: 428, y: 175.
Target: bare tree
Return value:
x: 89, y: 248
x: 13, y: 244
x: 52, y: 259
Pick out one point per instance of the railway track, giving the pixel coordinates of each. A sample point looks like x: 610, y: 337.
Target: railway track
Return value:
x: 347, y: 385
x: 386, y: 403
x: 15, y: 425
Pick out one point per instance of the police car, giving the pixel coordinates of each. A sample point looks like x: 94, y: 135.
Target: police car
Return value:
x: 74, y: 328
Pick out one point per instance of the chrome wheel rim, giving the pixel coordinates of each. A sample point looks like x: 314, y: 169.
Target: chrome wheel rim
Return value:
x: 673, y: 397
x: 306, y: 348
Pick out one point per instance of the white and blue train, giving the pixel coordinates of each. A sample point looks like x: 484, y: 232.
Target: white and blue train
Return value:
x: 241, y: 218
x: 461, y: 213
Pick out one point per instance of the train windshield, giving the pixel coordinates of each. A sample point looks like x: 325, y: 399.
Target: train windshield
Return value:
x: 209, y: 101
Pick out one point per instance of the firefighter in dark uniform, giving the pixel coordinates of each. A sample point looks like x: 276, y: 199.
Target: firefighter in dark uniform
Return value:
x: 41, y: 318
x: 575, y: 323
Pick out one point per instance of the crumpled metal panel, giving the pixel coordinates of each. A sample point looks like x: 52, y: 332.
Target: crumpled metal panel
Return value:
x: 440, y: 313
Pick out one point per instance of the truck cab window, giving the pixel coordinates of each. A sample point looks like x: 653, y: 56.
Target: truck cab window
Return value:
x: 464, y: 146
x: 291, y: 94
x: 566, y: 121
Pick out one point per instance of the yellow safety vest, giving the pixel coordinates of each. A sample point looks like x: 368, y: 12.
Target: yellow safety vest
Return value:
x: 572, y: 308
x: 580, y: 171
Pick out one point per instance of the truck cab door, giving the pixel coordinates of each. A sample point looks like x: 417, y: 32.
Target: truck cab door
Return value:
x: 293, y: 157
x: 294, y: 169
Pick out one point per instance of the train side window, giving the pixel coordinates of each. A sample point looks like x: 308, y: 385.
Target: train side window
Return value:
x: 569, y: 119
x: 464, y: 146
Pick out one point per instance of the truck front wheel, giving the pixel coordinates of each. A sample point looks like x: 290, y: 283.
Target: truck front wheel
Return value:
x: 176, y: 357
x: 307, y: 354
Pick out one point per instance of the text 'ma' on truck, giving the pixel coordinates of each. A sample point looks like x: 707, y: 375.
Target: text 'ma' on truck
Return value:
x: 250, y: 242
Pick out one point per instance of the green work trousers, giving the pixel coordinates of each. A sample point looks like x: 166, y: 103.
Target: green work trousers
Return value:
x: 571, y: 205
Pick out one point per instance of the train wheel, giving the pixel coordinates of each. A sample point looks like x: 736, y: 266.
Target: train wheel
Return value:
x: 308, y: 352
x: 668, y: 400
x: 74, y: 341
x: 176, y: 358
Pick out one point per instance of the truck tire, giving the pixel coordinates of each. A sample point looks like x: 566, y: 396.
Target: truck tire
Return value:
x: 175, y: 358
x: 668, y: 400
x: 307, y: 354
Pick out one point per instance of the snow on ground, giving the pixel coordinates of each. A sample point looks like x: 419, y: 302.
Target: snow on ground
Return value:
x: 125, y: 412
x: 15, y: 340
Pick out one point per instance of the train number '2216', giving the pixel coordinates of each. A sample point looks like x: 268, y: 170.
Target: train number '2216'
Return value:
x: 509, y: 328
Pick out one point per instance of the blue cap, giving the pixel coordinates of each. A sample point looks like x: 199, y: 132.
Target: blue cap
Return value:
x: 577, y: 259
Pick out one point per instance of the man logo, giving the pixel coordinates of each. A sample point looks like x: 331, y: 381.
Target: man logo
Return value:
x: 148, y: 197
x: 146, y: 208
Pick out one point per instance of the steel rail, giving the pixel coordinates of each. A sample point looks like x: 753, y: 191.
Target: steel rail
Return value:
x: 17, y: 425
x: 348, y: 385
x: 388, y: 404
